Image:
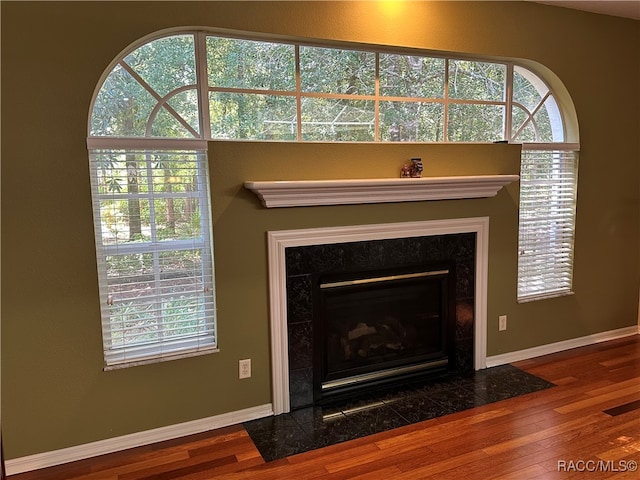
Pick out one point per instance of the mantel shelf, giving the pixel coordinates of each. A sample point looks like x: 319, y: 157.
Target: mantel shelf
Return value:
x: 301, y: 193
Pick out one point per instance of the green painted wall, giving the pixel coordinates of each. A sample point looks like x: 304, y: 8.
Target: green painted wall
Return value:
x: 54, y: 392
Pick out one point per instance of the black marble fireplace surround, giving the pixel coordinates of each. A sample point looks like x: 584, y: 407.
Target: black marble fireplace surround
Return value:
x: 305, y: 263
x: 308, y: 426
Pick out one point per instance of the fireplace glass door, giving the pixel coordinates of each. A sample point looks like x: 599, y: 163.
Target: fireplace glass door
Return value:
x: 377, y: 327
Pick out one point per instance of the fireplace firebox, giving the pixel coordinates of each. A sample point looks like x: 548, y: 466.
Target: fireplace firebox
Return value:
x: 379, y: 327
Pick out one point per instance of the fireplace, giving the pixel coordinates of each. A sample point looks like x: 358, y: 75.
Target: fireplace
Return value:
x: 377, y: 327
x: 298, y: 257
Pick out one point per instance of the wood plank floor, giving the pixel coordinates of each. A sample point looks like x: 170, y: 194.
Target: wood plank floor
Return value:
x: 587, y: 427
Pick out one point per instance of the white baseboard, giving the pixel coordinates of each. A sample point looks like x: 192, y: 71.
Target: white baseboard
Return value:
x: 88, y: 450
x: 528, y: 353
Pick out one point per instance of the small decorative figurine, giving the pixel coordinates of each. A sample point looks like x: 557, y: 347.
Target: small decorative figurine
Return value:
x: 416, y: 167
x: 413, y: 169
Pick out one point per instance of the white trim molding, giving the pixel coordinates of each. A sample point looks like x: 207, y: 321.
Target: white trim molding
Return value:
x: 304, y: 193
x: 137, y: 143
x: 279, y: 241
x: 550, y: 348
x: 110, y: 445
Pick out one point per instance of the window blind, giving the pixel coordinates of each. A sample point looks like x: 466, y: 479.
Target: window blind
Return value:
x: 155, y: 254
x: 547, y: 218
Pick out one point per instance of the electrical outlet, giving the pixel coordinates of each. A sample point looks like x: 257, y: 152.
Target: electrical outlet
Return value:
x: 244, y: 368
x: 502, y: 322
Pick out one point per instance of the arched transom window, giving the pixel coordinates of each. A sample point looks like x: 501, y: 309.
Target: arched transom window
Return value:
x: 159, y: 103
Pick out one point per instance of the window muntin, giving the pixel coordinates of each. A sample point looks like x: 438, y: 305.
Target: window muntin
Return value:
x: 155, y: 97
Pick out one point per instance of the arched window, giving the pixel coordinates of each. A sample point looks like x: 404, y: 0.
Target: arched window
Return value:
x: 548, y: 185
x: 160, y: 102
x: 152, y: 217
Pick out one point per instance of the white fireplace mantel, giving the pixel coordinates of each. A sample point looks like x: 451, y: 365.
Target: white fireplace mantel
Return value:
x: 299, y: 193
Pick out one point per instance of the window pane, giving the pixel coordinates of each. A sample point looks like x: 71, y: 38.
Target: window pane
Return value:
x: 541, y: 128
x: 176, y: 203
x: 476, y: 80
x: 182, y: 290
x: 235, y: 63
x: 411, y: 122
x: 122, y: 183
x: 475, y: 123
x: 259, y: 117
x: 133, y: 323
x: 527, y: 93
x: 162, y: 68
x: 127, y: 214
x: 411, y: 76
x: 146, y: 307
x: 125, y: 221
x: 177, y: 219
x: 122, y: 106
x: 331, y: 70
x: 131, y: 270
x: 131, y: 309
x: 165, y: 64
x: 535, y: 113
x: 337, y: 120
x: 521, y: 126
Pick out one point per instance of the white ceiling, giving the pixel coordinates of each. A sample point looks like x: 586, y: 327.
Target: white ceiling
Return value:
x: 627, y: 9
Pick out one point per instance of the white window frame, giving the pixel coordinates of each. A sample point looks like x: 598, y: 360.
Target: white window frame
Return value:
x: 202, y: 338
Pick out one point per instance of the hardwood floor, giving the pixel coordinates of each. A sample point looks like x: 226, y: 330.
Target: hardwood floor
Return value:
x: 587, y: 427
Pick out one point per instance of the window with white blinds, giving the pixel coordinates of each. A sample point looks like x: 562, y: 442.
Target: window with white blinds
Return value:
x: 155, y: 254
x: 547, y: 219
x: 162, y: 100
